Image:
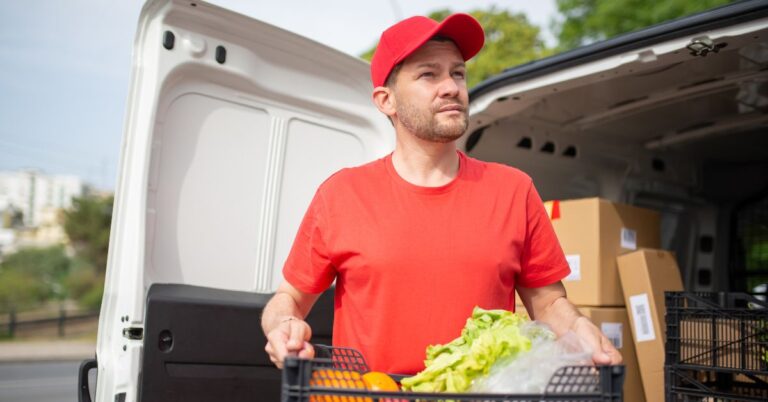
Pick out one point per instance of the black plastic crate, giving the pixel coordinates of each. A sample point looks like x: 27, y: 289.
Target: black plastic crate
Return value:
x: 575, y: 383
x: 685, y: 385
x: 723, y: 332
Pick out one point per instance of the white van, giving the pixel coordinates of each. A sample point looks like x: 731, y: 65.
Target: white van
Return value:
x: 232, y: 124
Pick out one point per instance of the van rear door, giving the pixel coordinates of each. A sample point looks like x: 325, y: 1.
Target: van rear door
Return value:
x: 231, y: 125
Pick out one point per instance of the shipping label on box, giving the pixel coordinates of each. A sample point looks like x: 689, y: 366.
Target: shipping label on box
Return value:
x: 628, y: 239
x: 641, y: 312
x: 574, y: 262
x: 612, y: 331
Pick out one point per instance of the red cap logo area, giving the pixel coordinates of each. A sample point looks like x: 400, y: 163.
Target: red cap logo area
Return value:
x: 403, y: 38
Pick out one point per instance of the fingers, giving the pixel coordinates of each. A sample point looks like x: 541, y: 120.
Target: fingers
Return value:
x: 603, y: 350
x: 606, y: 353
x: 295, y: 337
x: 275, y: 348
x: 614, y: 356
x: 290, y: 338
x: 307, y: 352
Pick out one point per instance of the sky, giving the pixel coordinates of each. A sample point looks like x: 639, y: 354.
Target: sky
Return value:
x: 65, y: 67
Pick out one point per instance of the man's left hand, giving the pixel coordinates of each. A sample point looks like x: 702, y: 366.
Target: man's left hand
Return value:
x: 603, y: 350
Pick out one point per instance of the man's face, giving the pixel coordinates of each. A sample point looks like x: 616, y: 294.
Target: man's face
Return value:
x: 431, y: 93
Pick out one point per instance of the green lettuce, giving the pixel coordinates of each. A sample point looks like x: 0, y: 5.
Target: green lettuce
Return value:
x: 488, y: 336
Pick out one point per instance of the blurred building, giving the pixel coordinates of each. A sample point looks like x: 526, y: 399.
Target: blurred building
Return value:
x: 31, y: 206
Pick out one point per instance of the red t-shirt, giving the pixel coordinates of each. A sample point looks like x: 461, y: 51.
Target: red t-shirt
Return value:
x: 411, y: 262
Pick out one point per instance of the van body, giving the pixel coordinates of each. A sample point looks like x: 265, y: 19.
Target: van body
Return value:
x: 232, y: 124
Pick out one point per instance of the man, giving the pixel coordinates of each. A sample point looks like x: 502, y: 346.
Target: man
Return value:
x: 418, y: 238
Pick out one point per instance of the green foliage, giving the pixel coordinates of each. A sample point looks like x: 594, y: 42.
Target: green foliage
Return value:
x: 587, y: 21
x: 81, y: 279
x: 509, y: 40
x: 91, y: 300
x: 48, y: 265
x: 32, y: 276
x: 20, y: 290
x: 87, y: 226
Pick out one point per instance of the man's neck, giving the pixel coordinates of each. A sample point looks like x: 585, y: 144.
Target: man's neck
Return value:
x: 424, y: 163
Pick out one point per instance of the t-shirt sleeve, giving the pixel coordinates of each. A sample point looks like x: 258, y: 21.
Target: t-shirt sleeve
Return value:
x: 543, y: 262
x: 308, y: 267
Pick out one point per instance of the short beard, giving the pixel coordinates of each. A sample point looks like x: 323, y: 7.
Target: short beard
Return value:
x: 425, y: 126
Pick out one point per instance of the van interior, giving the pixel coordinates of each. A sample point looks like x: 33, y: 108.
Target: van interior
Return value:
x: 678, y: 130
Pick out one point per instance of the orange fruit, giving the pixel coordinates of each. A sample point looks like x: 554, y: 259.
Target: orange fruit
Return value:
x: 377, y: 381
x: 340, y: 379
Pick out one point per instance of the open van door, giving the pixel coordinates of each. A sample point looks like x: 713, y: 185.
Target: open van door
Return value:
x: 231, y: 126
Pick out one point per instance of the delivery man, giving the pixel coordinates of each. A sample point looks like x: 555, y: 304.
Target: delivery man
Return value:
x: 418, y: 238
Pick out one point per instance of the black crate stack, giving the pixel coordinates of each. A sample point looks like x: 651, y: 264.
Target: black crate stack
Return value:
x: 717, y: 347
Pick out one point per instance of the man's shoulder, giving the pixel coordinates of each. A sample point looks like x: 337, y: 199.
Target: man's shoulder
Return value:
x: 350, y: 176
x: 498, y: 171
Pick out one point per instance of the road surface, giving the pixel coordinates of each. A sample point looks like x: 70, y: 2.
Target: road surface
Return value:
x: 39, y: 381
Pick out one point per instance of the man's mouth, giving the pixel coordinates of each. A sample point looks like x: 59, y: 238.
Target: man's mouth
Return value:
x: 453, y: 107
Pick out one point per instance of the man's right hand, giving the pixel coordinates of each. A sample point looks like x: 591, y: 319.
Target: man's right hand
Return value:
x: 289, y: 338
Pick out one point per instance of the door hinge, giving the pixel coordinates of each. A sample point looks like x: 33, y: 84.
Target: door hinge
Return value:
x: 703, y: 45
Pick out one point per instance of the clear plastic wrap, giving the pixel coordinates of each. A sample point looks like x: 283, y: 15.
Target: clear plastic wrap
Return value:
x: 529, y: 372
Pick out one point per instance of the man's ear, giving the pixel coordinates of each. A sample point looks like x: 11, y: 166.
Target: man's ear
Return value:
x: 385, y: 101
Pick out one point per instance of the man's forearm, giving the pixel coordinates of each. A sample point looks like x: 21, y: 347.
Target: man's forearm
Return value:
x: 560, y: 315
x: 548, y: 304
x: 280, y: 308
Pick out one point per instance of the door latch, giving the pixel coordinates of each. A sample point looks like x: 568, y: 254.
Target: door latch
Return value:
x: 133, y: 333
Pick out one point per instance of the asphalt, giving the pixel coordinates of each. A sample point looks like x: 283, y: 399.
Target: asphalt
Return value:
x: 38, y: 351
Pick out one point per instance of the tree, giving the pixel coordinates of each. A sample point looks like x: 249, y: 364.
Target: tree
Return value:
x: 87, y: 225
x: 509, y: 40
x: 32, y: 276
x: 19, y: 291
x: 587, y: 21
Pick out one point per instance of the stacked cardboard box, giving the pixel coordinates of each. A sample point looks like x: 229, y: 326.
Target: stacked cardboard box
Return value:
x: 593, y: 232
x: 645, y: 276
x: 614, y: 323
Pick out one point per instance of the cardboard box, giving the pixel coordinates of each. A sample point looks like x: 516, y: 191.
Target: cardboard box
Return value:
x: 614, y: 323
x: 724, y: 343
x: 592, y: 233
x: 645, y: 276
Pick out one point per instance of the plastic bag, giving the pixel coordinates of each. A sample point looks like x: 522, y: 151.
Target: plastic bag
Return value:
x: 530, y: 372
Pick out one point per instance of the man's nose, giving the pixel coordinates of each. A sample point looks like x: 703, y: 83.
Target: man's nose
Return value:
x: 449, y: 88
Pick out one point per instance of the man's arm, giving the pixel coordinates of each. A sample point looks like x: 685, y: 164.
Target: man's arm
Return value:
x: 549, y: 305
x: 283, y: 324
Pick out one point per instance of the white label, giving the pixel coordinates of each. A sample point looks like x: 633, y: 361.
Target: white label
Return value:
x: 628, y: 239
x: 612, y: 331
x: 574, y: 261
x: 641, y: 312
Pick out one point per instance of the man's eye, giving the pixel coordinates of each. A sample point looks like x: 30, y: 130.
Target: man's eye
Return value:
x: 427, y: 74
x: 459, y: 74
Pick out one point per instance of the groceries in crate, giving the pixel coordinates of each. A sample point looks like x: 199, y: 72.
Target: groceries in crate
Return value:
x: 492, y: 345
x: 531, y: 371
x: 585, y: 383
x: 348, y: 379
x: 376, y: 381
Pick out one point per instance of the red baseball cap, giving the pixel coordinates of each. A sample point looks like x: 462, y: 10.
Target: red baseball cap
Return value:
x: 403, y: 38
